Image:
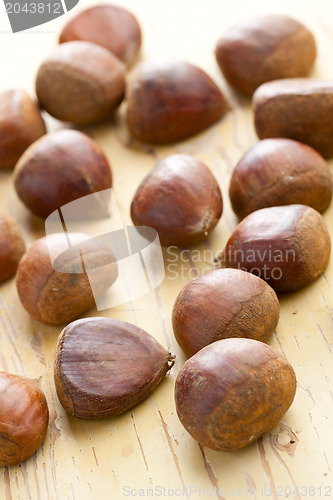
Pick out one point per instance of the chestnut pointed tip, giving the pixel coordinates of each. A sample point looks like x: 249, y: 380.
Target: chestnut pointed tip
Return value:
x: 171, y: 361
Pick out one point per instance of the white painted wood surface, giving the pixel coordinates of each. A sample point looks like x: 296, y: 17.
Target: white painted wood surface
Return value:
x: 146, y: 452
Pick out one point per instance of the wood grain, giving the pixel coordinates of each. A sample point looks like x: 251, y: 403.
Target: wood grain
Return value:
x: 147, y: 448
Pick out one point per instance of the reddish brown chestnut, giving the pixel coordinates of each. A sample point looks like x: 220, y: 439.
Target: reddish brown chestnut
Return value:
x: 221, y: 304
x: 12, y: 245
x: 180, y: 198
x: 265, y: 48
x: 110, y: 26
x: 280, y: 172
x: 105, y: 366
x: 20, y: 125
x: 80, y: 82
x: 170, y: 100
x: 24, y: 418
x: 59, y: 168
x: 59, y: 290
x: 287, y: 246
x: 297, y: 108
x: 232, y: 392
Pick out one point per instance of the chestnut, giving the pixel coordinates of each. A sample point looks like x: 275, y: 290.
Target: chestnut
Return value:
x: 58, y: 291
x: 287, y: 246
x: 296, y: 108
x: 110, y: 26
x: 20, y: 125
x: 24, y: 418
x: 232, y: 392
x: 265, y: 48
x: 105, y: 366
x: 221, y: 304
x: 180, y: 198
x: 280, y: 172
x: 59, y: 168
x: 171, y: 100
x: 12, y: 245
x: 80, y: 82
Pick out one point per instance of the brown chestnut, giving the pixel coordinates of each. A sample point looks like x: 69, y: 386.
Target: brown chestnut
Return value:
x: 280, y: 172
x: 59, y: 290
x: 170, y: 100
x: 221, y: 304
x: 20, y: 125
x: 12, y: 245
x: 265, y: 48
x: 105, y: 366
x: 232, y: 392
x: 287, y: 246
x: 296, y: 108
x: 180, y: 198
x: 80, y: 82
x: 110, y: 26
x: 24, y: 418
x: 59, y: 168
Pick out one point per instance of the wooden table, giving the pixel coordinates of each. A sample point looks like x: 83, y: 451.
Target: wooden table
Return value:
x: 146, y: 452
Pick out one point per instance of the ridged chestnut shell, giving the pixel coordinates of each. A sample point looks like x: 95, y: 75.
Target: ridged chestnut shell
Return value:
x: 105, y: 366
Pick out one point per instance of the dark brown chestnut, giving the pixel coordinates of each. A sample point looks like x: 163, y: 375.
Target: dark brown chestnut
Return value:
x: 280, y: 172
x: 221, y: 304
x: 105, y: 366
x: 265, y: 48
x: 110, y: 26
x: 170, y: 100
x: 180, y: 198
x: 287, y: 246
x: 232, y: 392
x: 59, y: 168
